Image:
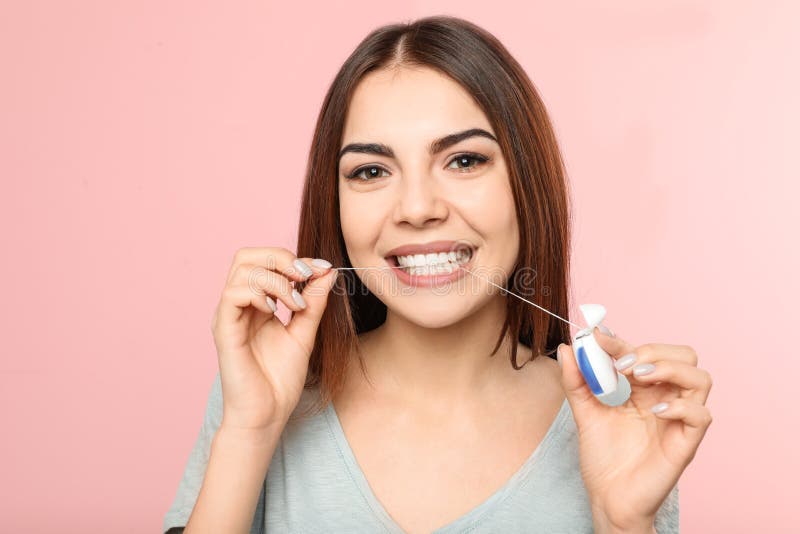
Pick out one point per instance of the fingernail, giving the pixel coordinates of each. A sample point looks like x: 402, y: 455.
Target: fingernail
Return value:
x: 271, y: 304
x: 625, y: 362
x: 298, y: 298
x: 304, y: 269
x: 319, y: 262
x: 606, y: 330
x: 558, y: 354
x: 660, y: 407
x: 643, y: 369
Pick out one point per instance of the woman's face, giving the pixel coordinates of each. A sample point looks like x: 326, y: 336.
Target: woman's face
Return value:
x: 413, y: 192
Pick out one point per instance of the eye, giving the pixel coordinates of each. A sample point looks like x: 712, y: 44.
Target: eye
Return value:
x: 372, y: 170
x: 466, y: 158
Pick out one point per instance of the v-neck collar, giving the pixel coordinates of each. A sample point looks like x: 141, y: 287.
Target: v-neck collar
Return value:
x: 475, y: 514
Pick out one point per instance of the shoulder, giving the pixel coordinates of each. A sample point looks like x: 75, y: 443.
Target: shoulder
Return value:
x: 541, y: 374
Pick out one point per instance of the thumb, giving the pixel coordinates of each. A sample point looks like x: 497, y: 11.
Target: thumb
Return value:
x: 304, y: 323
x: 580, y: 397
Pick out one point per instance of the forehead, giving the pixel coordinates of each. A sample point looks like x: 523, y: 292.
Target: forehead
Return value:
x: 409, y: 102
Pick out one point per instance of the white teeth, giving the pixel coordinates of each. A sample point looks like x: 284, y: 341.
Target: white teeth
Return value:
x: 433, y: 263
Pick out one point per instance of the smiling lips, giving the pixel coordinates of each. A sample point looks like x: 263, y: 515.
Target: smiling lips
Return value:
x: 430, y: 263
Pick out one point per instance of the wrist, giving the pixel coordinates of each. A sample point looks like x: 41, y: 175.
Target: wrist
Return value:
x: 603, y: 524
x: 248, y: 438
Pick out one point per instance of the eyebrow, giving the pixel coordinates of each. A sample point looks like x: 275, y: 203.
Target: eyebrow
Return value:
x: 434, y: 148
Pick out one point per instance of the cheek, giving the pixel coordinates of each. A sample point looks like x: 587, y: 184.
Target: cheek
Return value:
x: 348, y: 218
x: 503, y: 212
x: 360, y: 216
x: 508, y: 215
x: 504, y: 233
x: 496, y: 221
x: 489, y: 205
x: 507, y: 220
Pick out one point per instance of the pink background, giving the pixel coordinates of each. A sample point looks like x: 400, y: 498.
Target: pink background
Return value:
x: 142, y: 143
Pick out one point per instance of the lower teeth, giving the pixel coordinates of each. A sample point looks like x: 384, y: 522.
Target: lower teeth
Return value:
x: 445, y: 268
x: 421, y: 271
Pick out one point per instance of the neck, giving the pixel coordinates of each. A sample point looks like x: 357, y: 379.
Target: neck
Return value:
x: 439, y: 366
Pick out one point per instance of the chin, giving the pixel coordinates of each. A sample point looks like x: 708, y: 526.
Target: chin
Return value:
x: 434, y: 312
x: 433, y: 321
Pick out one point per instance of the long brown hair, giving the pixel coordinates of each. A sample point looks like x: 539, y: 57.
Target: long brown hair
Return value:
x: 476, y: 60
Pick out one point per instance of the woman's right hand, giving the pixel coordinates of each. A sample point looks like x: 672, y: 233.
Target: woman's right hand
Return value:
x: 263, y: 363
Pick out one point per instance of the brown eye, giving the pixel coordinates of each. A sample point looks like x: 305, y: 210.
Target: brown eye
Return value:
x: 465, y: 159
x: 372, y: 173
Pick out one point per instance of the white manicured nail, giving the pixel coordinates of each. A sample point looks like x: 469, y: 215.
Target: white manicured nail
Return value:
x: 298, y: 298
x: 304, y: 269
x: 625, y: 362
x: 643, y: 369
x: 606, y: 330
x: 319, y: 262
x: 660, y: 407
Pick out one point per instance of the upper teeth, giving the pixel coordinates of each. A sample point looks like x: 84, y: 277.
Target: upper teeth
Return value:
x: 422, y: 260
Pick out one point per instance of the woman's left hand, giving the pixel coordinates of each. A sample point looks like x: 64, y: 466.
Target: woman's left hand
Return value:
x: 630, y: 457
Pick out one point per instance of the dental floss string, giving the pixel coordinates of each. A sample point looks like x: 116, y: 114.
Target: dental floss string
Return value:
x: 477, y: 276
x: 521, y: 298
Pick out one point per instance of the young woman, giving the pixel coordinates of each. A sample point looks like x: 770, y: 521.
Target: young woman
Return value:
x: 413, y: 395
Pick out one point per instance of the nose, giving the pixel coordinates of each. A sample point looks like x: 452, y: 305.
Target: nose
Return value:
x: 419, y: 201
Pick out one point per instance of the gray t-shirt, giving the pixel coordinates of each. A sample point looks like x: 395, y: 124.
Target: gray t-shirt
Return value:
x: 314, y: 485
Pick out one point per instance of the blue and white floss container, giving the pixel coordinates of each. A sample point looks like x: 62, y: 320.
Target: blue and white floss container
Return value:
x: 596, y: 366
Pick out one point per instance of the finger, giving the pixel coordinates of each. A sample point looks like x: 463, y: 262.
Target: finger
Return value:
x: 262, y: 281
x: 696, y: 418
x: 303, y: 326
x: 653, y: 352
x: 619, y: 349
x: 235, y: 299
x: 694, y: 383
x: 277, y: 259
x: 577, y: 391
x: 318, y: 266
x: 615, y: 346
